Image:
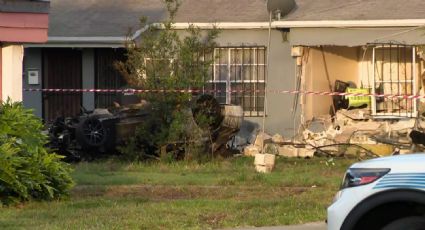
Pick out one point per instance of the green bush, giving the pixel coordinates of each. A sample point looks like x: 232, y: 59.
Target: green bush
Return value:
x: 164, y: 59
x: 27, y: 169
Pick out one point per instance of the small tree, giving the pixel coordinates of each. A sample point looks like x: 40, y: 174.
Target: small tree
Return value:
x: 163, y: 59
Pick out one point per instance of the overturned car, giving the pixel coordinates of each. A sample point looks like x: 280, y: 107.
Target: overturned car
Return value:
x: 95, y: 133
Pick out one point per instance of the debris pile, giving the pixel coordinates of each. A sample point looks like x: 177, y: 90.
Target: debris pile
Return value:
x: 276, y: 145
x: 332, y: 136
x: 357, y: 128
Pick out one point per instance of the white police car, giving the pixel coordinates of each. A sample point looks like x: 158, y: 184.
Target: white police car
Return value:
x: 384, y: 193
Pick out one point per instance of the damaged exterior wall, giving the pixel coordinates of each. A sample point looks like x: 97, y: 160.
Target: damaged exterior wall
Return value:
x: 354, y: 64
x: 335, y: 63
x: 384, y: 127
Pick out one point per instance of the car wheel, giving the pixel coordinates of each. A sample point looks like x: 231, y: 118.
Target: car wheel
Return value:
x: 91, y: 133
x: 411, y: 223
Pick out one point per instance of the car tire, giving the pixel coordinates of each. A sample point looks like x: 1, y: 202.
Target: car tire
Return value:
x: 411, y: 223
x: 91, y: 133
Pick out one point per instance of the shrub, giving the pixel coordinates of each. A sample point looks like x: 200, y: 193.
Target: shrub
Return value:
x: 27, y: 169
x: 164, y: 59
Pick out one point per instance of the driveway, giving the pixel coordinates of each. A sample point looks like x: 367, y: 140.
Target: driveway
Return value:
x: 310, y: 226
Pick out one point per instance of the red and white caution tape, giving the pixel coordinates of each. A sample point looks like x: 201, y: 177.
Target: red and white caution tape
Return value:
x: 140, y: 91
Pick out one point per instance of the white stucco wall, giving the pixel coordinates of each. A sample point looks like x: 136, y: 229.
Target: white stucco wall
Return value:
x: 12, y: 72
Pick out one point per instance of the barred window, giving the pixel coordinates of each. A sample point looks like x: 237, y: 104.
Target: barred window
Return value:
x: 395, y: 72
x: 240, y: 69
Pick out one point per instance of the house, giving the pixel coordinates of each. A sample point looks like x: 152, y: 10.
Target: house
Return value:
x: 374, y: 44
x: 21, y: 22
x: 86, y: 37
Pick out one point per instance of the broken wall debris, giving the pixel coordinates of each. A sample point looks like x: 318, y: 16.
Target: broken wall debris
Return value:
x: 351, y: 132
x: 356, y: 127
x: 264, y: 163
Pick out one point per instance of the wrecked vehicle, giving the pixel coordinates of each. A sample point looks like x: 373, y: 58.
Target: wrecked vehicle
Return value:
x: 100, y: 131
x: 97, y: 131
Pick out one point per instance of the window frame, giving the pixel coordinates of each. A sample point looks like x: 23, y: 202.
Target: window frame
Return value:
x: 229, y: 64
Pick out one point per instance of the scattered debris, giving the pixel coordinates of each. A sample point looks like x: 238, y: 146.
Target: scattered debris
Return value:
x: 264, y: 163
x: 288, y: 151
x: 349, y: 132
x: 306, y: 152
x: 278, y: 139
x: 251, y: 150
x: 262, y: 139
x: 356, y: 128
x: 272, y: 148
x: 356, y: 114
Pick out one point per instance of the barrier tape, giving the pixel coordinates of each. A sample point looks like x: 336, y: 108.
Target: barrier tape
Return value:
x: 139, y: 91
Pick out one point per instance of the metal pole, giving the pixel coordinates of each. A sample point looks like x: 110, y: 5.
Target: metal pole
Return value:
x: 268, y: 71
x: 373, y: 83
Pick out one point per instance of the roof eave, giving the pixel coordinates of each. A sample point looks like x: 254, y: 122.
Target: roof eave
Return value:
x: 116, y: 41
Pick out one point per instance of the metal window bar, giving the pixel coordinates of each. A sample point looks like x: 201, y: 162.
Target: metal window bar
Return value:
x: 382, y: 77
x: 398, y: 75
x: 251, y: 73
x: 396, y: 107
x: 242, y: 95
x: 256, y: 53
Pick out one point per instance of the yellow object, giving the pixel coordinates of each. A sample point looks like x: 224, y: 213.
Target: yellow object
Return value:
x: 357, y: 101
x: 380, y: 149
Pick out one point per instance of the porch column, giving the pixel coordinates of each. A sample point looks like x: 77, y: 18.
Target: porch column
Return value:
x: 11, y: 77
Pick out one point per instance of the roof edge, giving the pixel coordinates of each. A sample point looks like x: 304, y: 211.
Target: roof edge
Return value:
x: 351, y: 23
x: 117, y: 40
x: 305, y: 24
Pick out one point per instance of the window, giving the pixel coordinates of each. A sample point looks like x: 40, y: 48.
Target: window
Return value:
x: 240, y: 69
x: 395, y: 73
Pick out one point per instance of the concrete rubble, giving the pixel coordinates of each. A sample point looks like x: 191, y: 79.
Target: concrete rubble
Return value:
x: 262, y: 139
x: 264, y: 163
x: 278, y: 139
x: 251, y: 150
x: 356, y: 127
x: 329, y: 135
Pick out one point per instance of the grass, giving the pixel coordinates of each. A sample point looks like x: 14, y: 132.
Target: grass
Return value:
x: 221, y: 194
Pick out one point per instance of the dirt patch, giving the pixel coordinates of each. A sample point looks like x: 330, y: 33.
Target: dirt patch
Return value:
x: 159, y: 192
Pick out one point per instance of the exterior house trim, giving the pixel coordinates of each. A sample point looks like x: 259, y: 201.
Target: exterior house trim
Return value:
x: 23, y: 27
x: 117, y: 41
x: 306, y: 24
x: 350, y: 23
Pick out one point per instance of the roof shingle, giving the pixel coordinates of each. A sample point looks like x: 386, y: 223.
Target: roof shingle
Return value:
x: 113, y: 18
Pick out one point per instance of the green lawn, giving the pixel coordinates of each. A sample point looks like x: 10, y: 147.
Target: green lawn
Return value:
x: 182, y: 195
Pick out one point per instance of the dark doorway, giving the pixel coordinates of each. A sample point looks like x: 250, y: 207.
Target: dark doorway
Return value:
x: 62, y: 69
x: 107, y: 77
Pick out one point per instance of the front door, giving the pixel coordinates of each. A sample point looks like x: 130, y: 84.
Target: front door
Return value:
x: 62, y: 69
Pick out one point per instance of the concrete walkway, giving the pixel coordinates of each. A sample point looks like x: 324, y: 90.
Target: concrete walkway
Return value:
x: 310, y: 226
